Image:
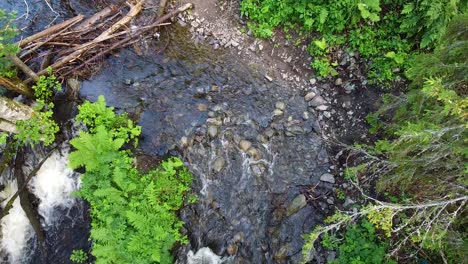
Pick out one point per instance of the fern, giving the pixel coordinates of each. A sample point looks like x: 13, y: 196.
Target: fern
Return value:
x: 133, y: 215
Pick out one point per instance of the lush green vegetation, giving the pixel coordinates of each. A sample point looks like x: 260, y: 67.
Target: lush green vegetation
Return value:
x: 360, y: 245
x: 78, y: 256
x: 134, y: 215
x: 421, y: 165
x: 8, y: 32
x: 386, y: 32
x: 41, y: 126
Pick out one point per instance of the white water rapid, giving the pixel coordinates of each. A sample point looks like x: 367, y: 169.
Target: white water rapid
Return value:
x: 53, y: 186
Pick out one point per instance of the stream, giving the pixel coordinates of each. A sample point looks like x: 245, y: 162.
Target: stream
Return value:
x: 252, y: 146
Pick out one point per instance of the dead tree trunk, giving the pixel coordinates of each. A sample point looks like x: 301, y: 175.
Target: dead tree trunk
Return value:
x: 25, y: 202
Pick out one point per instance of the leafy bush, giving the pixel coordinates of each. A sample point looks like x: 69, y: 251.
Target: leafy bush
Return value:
x: 360, y: 245
x: 372, y: 27
x: 421, y: 165
x: 134, y: 215
x: 41, y: 126
x: 78, y: 256
x: 8, y: 32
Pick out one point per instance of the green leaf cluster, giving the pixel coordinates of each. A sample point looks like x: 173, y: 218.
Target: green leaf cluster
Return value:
x: 78, y: 256
x: 134, y: 215
x: 8, y: 32
x: 41, y: 126
x: 98, y: 114
x: 359, y: 245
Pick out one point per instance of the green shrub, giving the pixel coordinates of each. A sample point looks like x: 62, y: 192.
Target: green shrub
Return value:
x: 133, y: 215
x: 374, y: 28
x: 360, y: 245
x: 8, y: 32
x: 41, y: 126
x: 78, y: 256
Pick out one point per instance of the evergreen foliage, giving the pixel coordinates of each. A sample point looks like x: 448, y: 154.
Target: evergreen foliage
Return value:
x: 423, y: 161
x: 134, y: 215
x: 383, y: 31
x: 8, y: 32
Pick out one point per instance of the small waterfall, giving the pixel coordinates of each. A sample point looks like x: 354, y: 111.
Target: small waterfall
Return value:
x: 16, y: 230
x: 204, y: 256
x: 53, y: 185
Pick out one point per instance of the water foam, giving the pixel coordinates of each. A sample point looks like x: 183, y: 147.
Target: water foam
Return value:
x: 16, y: 230
x: 204, y: 256
x: 53, y: 186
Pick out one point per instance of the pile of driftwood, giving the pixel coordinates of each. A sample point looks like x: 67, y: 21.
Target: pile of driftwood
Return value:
x: 72, y: 47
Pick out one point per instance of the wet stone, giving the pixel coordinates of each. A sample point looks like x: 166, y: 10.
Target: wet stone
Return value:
x: 219, y: 164
x: 317, y: 101
x: 309, y: 96
x: 327, y: 177
x: 245, y: 145
x: 212, y: 131
x: 297, y: 204
x: 280, y: 105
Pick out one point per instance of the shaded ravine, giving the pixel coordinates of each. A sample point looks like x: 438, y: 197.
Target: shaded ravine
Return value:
x: 251, y: 144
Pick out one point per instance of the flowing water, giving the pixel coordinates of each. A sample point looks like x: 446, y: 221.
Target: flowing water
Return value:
x: 250, y: 163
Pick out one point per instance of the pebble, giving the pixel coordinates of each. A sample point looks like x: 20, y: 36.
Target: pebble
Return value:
x: 297, y: 204
x: 219, y: 164
x: 195, y: 24
x: 245, y: 145
x: 313, y: 81
x: 322, y: 107
x: 327, y: 177
x: 184, y: 141
x: 309, y: 96
x: 212, y: 131
x: 268, y: 78
x: 277, y: 112
x: 348, y: 202
x: 317, y: 101
x: 254, y: 154
x: 338, y: 82
x: 202, y: 107
x: 280, y: 105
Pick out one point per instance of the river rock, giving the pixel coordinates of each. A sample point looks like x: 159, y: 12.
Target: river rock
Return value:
x: 232, y: 249
x: 245, y: 145
x: 309, y: 96
x: 277, y: 112
x: 212, y: 131
x: 338, y: 82
x: 327, y: 177
x: 322, y: 107
x: 184, y: 141
x: 218, y: 165
x: 254, y: 153
x: 348, y: 202
x: 280, y: 105
x: 297, y: 204
x: 317, y: 101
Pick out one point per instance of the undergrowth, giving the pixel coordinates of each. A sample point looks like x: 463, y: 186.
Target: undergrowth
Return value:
x: 134, y: 215
x: 385, y: 32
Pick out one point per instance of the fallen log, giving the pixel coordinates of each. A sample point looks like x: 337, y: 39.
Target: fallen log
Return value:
x: 32, y: 215
x: 129, y: 39
x: 49, y: 30
x: 23, y: 67
x: 134, y: 10
x: 91, y: 21
x: 17, y: 87
x: 21, y: 188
